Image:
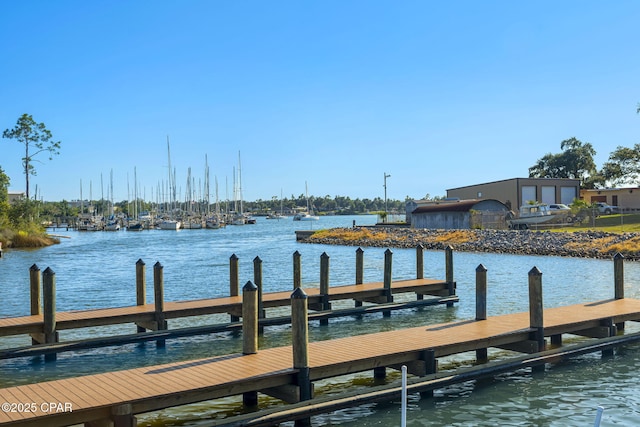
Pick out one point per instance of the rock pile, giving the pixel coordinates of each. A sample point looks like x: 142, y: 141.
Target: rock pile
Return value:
x: 588, y: 244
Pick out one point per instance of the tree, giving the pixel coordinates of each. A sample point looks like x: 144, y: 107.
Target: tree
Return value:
x: 576, y: 162
x: 4, y: 198
x: 34, y: 136
x: 623, y: 166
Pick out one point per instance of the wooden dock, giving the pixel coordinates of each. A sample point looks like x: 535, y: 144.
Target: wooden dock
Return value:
x: 288, y: 372
x: 126, y: 393
x: 45, y: 323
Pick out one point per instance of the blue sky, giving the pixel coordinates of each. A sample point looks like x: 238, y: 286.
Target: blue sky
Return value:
x: 332, y: 93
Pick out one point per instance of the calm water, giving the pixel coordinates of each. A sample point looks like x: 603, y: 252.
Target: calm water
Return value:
x: 98, y: 270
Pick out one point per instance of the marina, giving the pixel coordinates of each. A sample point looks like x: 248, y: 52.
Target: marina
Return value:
x: 196, y: 266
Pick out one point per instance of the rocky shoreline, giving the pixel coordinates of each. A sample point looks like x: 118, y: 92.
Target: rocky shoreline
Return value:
x: 588, y: 244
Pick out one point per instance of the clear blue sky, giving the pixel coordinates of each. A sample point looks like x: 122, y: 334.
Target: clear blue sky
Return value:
x: 335, y: 93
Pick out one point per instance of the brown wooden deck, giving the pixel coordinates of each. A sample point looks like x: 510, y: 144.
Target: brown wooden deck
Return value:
x: 232, y: 305
x: 101, y: 396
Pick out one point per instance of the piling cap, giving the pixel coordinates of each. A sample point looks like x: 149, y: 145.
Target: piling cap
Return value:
x: 298, y: 293
x: 140, y: 261
x: 249, y: 287
x: 535, y: 272
x: 618, y: 255
x: 359, y: 250
x: 481, y: 269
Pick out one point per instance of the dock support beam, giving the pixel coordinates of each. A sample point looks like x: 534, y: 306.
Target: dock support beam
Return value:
x: 297, y: 270
x: 250, y: 332
x: 448, y: 265
x: 234, y: 281
x: 481, y: 306
x: 419, y: 266
x: 257, y: 280
x: 536, y: 310
x: 141, y: 287
x: 618, y: 278
x: 34, y: 285
x: 359, y: 271
x: 158, y: 300
x: 388, y: 264
x: 49, y: 314
x: 324, y: 285
x: 300, y: 346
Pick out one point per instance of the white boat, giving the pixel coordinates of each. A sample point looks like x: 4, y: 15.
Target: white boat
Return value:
x: 308, y: 215
x: 537, y: 213
x: 169, y: 224
x: 305, y: 217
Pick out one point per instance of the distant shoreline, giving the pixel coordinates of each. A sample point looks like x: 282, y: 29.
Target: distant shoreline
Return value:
x: 587, y: 244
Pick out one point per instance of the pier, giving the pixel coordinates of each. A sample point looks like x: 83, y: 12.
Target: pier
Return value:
x: 289, y: 372
x: 44, y: 323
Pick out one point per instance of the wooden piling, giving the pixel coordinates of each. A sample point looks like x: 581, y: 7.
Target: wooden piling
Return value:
x: 324, y: 285
x: 419, y: 267
x: 359, y: 266
x: 257, y: 280
x: 34, y: 286
x: 234, y: 281
x: 297, y: 270
x: 431, y: 367
x: 481, y: 306
x: 141, y: 287
x: 158, y: 299
x: 300, y: 341
x: 419, y: 262
x: 618, y: 279
x: 249, y: 318
x: 536, y: 308
x: 49, y: 310
x: 448, y: 261
x: 388, y: 264
x: 359, y: 271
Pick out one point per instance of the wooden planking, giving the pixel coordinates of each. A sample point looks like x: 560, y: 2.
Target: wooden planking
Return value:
x: 177, y: 309
x: 157, y: 387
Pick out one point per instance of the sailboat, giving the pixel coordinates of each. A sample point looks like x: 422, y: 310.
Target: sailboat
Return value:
x: 308, y: 215
x: 170, y: 223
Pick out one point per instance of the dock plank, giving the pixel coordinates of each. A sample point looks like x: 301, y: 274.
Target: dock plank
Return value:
x: 158, y: 387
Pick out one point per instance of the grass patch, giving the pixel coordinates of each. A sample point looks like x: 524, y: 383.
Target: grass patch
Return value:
x: 619, y: 223
x: 351, y: 234
x: 456, y: 236
x: 628, y: 247
x: 23, y: 239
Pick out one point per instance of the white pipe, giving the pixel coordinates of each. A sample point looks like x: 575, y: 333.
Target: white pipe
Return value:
x: 403, y: 419
x: 598, y: 416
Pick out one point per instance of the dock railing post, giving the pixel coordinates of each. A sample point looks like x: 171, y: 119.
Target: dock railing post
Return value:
x: 419, y: 267
x: 536, y: 308
x: 141, y: 287
x: 49, y: 310
x: 359, y: 271
x: 297, y: 270
x: 34, y: 286
x: 234, y: 281
x: 618, y: 279
x: 324, y: 285
x: 388, y: 268
x: 257, y: 280
x: 35, y: 293
x: 448, y: 264
x: 250, y: 331
x: 300, y: 346
x: 249, y: 318
x: 158, y: 299
x: 481, y: 305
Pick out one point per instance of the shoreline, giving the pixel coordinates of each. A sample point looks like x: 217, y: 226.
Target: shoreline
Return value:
x: 579, y: 244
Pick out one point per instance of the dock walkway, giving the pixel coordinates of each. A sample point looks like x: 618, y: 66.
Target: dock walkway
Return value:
x: 117, y: 396
x: 147, y: 313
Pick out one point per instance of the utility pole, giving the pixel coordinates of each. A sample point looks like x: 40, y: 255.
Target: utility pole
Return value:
x: 385, y: 195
